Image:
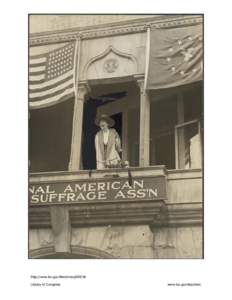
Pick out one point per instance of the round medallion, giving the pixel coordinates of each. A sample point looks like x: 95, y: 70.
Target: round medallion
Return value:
x: 110, y: 65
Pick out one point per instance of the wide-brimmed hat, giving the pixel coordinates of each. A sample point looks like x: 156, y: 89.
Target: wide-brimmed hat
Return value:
x: 106, y: 118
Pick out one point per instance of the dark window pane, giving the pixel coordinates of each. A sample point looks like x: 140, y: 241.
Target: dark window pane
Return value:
x: 50, y: 133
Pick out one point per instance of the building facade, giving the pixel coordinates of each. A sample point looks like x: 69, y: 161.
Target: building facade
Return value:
x: 152, y: 210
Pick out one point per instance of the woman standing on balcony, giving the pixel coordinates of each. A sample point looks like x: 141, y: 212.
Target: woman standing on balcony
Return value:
x: 107, y: 144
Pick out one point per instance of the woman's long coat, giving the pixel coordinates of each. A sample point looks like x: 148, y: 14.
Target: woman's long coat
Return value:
x: 108, y: 155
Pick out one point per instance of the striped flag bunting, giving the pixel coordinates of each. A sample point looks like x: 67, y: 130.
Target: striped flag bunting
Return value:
x: 51, y: 76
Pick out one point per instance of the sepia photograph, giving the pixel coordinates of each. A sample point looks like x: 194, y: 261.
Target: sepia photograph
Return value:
x: 115, y: 136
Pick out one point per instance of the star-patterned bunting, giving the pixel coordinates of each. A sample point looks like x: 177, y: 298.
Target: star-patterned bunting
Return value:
x: 176, y: 56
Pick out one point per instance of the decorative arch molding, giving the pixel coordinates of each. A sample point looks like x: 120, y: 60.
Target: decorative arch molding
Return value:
x: 104, y: 54
x: 90, y: 252
x: 77, y: 252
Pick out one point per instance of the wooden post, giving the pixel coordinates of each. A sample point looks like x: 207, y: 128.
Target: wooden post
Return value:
x: 124, y: 134
x: 180, y: 144
x: 144, y: 134
x: 75, y: 156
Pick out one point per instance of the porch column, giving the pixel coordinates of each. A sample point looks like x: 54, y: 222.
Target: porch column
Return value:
x: 125, y: 134
x: 144, y: 133
x: 180, y: 143
x: 75, y: 156
x: 61, y: 228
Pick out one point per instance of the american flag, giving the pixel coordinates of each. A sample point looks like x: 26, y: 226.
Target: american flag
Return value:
x: 51, y: 76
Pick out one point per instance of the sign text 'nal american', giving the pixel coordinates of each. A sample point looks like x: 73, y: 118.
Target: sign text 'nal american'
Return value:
x: 150, y: 188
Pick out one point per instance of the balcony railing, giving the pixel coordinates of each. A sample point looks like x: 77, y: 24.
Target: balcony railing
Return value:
x: 151, y: 195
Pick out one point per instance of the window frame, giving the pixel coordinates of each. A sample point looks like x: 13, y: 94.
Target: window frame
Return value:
x: 182, y: 125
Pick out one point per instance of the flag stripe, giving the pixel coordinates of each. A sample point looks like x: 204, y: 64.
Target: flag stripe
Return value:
x: 37, y: 77
x: 38, y: 56
x: 47, y: 92
x: 38, y: 60
x: 36, y: 73
x: 36, y: 82
x: 52, y: 94
x: 34, y: 65
x: 44, y: 87
x: 36, y: 69
x: 54, y: 81
x: 45, y: 103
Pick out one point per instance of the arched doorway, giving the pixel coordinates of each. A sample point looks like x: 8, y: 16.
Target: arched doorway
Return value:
x: 77, y: 252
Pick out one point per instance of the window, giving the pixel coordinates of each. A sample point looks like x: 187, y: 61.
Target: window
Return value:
x: 188, y: 145
x: 50, y: 133
x: 162, y: 122
x: 188, y: 132
x: 176, y: 128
